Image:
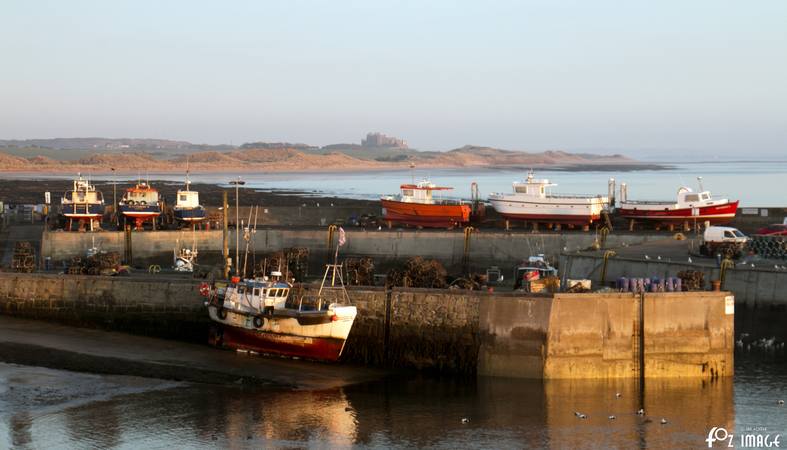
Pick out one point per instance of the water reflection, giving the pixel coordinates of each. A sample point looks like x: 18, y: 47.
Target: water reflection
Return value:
x: 396, y: 412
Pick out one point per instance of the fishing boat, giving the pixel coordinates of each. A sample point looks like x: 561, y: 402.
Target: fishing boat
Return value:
x: 416, y: 205
x: 82, y: 203
x: 187, y: 208
x: 262, y: 315
x: 531, y: 200
x: 140, y: 203
x: 689, y: 206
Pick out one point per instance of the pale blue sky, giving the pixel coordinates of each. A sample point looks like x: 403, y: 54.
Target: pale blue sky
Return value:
x: 533, y: 75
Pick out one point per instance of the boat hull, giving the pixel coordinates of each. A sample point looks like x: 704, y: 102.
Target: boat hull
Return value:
x: 190, y: 214
x: 322, y: 349
x: 317, y: 337
x: 83, y: 211
x: 715, y: 214
x: 425, y: 215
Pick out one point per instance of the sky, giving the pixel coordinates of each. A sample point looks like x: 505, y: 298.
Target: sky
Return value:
x: 637, y: 77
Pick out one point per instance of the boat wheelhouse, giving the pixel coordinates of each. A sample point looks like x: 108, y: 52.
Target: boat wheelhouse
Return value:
x: 140, y: 203
x: 688, y: 206
x: 531, y: 200
x: 82, y: 203
x: 418, y: 205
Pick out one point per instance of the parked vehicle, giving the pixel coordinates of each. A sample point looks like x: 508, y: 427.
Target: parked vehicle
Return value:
x: 724, y: 241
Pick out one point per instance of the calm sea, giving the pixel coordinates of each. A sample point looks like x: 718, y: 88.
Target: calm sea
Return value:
x: 754, y: 183
x: 43, y: 408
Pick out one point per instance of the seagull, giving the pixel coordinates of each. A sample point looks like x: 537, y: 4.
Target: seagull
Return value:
x: 664, y: 421
x: 739, y: 343
x: 465, y: 420
x: 611, y: 417
x: 379, y: 228
x: 781, y: 402
x: 641, y: 412
x: 583, y: 416
x: 618, y: 395
x: 577, y: 413
x: 690, y: 261
x: 659, y: 257
x: 647, y: 257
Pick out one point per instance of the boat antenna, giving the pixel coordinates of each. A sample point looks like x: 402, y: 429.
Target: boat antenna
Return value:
x: 699, y: 180
x: 412, y: 172
x: 187, y: 172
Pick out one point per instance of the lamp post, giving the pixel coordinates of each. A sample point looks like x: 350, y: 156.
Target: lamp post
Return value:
x: 237, y: 183
x: 114, y: 198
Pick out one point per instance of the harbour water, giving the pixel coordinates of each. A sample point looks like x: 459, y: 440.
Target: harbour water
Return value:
x: 751, y: 182
x: 44, y: 408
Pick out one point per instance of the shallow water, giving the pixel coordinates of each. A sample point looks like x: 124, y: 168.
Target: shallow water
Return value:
x: 42, y: 408
x: 754, y: 183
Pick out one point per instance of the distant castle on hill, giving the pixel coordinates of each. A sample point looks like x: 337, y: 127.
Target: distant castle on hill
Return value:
x: 381, y: 140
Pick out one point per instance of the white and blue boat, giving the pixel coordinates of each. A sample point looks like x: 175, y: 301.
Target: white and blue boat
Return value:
x: 187, y: 208
x: 82, y: 203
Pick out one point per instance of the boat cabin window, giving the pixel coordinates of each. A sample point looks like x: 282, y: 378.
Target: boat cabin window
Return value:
x: 692, y: 197
x: 520, y: 189
x: 256, y: 292
x: 407, y: 192
x: 542, y: 189
x: 241, y: 289
x: 183, y: 197
x: 282, y: 293
x: 705, y: 197
x: 272, y: 292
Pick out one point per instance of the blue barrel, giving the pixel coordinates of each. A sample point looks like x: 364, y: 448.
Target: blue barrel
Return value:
x: 623, y: 284
x: 678, y: 284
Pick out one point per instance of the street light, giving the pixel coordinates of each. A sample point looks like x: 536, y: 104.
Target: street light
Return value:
x: 114, y: 199
x: 237, y: 183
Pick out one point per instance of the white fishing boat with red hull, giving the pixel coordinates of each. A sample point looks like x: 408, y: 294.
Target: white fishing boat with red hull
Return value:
x: 689, y: 206
x: 260, y: 315
x: 531, y: 200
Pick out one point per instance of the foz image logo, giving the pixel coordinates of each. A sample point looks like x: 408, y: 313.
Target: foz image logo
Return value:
x: 746, y: 440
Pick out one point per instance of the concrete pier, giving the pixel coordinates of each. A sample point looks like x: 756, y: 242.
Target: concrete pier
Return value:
x: 455, y: 331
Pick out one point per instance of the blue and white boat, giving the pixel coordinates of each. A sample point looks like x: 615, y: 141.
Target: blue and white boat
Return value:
x: 82, y: 203
x: 187, y: 208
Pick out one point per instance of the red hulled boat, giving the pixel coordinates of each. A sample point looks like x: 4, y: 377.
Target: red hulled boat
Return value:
x: 689, y: 206
x: 416, y: 206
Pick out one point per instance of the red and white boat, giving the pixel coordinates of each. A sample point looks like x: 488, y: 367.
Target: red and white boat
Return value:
x: 140, y: 203
x: 689, y: 206
x: 532, y: 201
x: 260, y: 315
x: 416, y: 205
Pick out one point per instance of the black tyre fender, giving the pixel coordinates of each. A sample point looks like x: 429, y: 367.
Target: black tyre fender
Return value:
x: 221, y: 312
x: 258, y: 321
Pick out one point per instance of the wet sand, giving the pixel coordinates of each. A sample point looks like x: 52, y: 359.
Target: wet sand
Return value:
x: 87, y: 350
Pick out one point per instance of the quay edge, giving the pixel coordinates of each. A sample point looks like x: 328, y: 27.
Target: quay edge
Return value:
x: 687, y: 334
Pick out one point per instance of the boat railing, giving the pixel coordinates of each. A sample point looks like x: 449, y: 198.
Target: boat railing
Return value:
x: 574, y: 196
x: 649, y: 202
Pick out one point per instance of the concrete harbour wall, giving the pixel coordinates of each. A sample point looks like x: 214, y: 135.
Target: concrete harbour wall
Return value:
x: 486, y: 248
x: 533, y: 336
